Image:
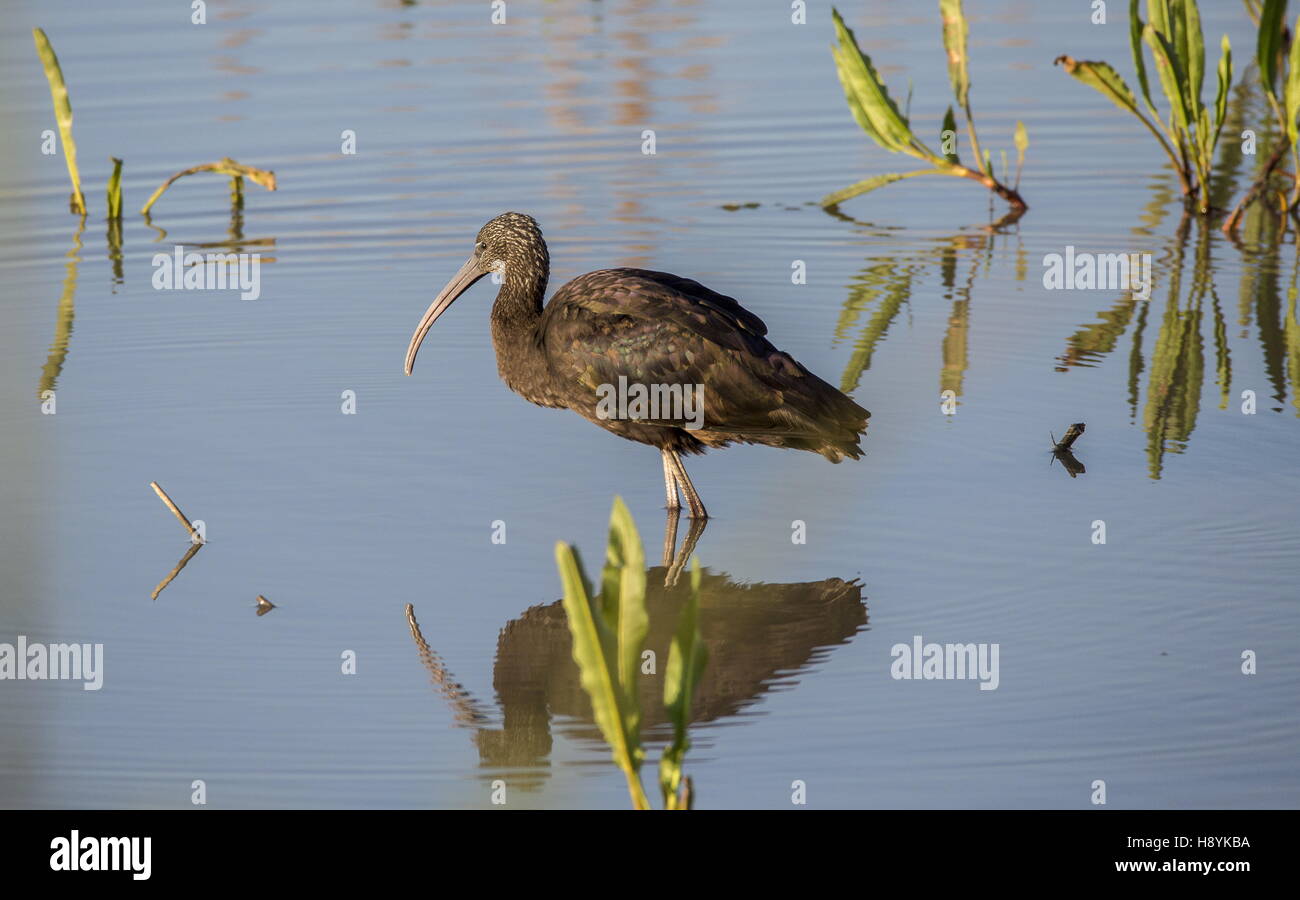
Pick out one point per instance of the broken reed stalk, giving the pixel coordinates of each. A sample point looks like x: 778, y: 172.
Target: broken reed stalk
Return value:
x: 162, y: 495
x: 225, y: 166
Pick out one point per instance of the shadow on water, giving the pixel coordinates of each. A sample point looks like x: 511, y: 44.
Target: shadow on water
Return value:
x: 758, y: 636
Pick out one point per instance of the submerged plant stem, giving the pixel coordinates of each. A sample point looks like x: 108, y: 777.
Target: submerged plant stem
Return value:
x: 1011, y: 195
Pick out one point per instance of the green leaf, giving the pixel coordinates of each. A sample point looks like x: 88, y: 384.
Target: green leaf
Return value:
x: 597, y: 664
x: 115, y: 189
x: 1221, y: 95
x: 1022, y: 144
x: 954, y: 42
x: 1139, y: 58
x: 62, y: 114
x: 870, y: 184
x: 1107, y: 81
x: 1103, y: 78
x: 867, y: 95
x: 1172, y: 77
x: 623, y: 607
x: 1161, y: 20
x: 949, y: 125
x: 1268, y: 42
x: 1193, y: 53
x: 686, y: 660
x: 1292, y: 92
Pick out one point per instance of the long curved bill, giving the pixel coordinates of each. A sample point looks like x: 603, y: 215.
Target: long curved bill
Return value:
x: 460, y: 282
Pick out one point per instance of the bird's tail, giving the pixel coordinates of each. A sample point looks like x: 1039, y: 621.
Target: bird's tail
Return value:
x: 832, y: 423
x: 813, y: 416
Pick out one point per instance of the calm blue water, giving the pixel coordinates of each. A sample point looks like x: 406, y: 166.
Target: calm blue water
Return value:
x: 1118, y: 662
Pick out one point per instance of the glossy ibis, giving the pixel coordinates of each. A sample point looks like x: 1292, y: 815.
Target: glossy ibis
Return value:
x: 653, y: 330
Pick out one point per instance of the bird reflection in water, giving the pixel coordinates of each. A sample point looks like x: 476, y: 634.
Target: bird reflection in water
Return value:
x: 757, y: 635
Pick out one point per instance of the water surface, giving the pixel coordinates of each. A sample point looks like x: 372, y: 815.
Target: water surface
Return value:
x: 1118, y: 662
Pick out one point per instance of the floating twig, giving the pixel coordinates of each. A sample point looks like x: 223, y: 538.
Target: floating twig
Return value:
x: 225, y: 166
x: 189, y: 529
x: 264, y: 606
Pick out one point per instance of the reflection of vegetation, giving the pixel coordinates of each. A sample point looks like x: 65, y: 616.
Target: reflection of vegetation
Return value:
x: 1274, y: 67
x: 62, y: 114
x: 608, y: 636
x: 1177, y: 362
x: 1291, y: 329
x: 878, y: 115
x: 176, y: 570
x: 67, y: 309
x: 886, y: 285
x: 1177, y: 357
x: 114, y: 234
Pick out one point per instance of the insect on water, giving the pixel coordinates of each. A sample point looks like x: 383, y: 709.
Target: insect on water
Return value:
x: 1061, y: 449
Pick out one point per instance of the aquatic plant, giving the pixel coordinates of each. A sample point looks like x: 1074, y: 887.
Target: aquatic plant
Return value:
x: 608, y: 635
x: 225, y: 166
x: 878, y: 115
x: 1188, y: 136
x: 114, y: 191
x: 62, y: 114
x: 1276, y: 67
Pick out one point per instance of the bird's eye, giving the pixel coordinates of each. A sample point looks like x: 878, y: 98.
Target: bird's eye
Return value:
x: 479, y: 248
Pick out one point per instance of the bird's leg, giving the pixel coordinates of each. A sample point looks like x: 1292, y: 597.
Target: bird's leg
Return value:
x: 670, y: 481
x: 684, y: 481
